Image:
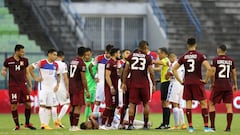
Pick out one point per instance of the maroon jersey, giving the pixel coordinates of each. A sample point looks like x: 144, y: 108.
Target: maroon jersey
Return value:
x: 139, y: 63
x: 76, y: 66
x: 17, y: 71
x: 192, y: 61
x: 224, y: 66
x: 113, y: 66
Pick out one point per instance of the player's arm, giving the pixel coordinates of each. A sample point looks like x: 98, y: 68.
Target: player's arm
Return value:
x: 208, y: 71
x: 66, y: 82
x: 234, y: 77
x: 4, y: 71
x: 158, y: 62
x: 84, y: 82
x: 124, y: 76
x: 175, y: 73
x: 212, y: 77
x: 31, y: 68
x: 29, y: 81
x: 109, y: 81
x: 152, y: 76
x: 58, y: 81
x: 91, y: 71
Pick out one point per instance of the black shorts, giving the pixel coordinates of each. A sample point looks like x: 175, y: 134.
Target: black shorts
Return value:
x: 164, y: 90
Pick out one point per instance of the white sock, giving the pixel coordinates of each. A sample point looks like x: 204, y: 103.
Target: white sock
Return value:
x: 176, y: 116
x: 96, y: 108
x: 41, y: 113
x: 181, y: 116
x: 47, y: 115
x: 63, y: 111
x: 54, y: 113
x: 138, y: 123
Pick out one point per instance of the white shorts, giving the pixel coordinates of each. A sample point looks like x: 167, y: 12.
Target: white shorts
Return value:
x: 47, y: 98
x: 175, y: 92
x: 61, y: 96
x: 100, y: 96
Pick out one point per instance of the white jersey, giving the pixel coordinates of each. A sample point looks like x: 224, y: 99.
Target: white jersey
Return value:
x: 180, y: 71
x: 62, y: 70
x: 48, y: 72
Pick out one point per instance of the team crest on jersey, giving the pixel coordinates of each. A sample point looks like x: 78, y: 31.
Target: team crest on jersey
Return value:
x: 83, y: 68
x: 21, y: 63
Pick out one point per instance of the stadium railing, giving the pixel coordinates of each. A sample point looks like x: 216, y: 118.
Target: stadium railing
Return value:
x: 77, y: 22
x: 192, y: 16
x: 157, y: 11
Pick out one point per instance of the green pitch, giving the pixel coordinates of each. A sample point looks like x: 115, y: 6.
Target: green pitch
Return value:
x: 6, y: 126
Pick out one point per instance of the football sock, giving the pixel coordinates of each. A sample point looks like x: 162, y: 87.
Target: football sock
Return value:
x: 75, y: 119
x: 105, y: 115
x: 229, y: 120
x: 47, y: 115
x: 15, y: 117
x: 63, y: 111
x: 176, y: 115
x: 110, y: 117
x: 123, y: 112
x: 181, y: 115
x: 41, y: 113
x: 54, y: 113
x: 189, y: 116
x: 164, y: 116
x: 205, y: 116
x: 27, y: 115
x: 87, y: 112
x: 212, y: 118
x: 96, y: 108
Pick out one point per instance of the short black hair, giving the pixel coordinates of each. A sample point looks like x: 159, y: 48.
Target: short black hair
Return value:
x: 81, y: 51
x: 142, y: 43
x: 88, y: 49
x: 83, y: 125
x: 113, y: 51
x: 18, y: 47
x: 164, y: 49
x: 51, y: 51
x: 223, y: 47
x: 191, y: 41
x: 126, y: 50
x: 109, y: 47
x: 60, y: 53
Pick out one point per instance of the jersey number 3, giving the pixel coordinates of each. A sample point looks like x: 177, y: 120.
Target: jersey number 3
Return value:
x: 140, y: 66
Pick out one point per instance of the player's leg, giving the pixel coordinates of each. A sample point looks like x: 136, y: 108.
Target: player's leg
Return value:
x: 229, y: 116
x: 146, y: 114
x: 99, y: 96
x: 27, y: 116
x: 14, y: 99
x: 131, y: 112
x: 15, y: 116
x: 89, y: 102
x: 227, y: 99
x: 212, y: 114
x: 189, y: 112
x: 176, y: 115
x: 124, y: 108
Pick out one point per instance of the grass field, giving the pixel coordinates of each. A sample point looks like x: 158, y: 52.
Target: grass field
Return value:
x: 6, y: 126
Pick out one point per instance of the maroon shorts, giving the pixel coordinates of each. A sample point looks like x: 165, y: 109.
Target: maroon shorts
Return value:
x: 218, y: 96
x: 19, y: 95
x: 194, y: 92
x: 77, y: 99
x: 111, y: 101
x: 138, y: 95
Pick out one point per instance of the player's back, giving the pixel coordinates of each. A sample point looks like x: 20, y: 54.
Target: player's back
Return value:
x: 17, y: 71
x: 76, y: 66
x: 192, y: 61
x: 139, y: 63
x: 224, y: 66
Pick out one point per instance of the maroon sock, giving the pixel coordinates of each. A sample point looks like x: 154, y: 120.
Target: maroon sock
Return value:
x: 71, y: 118
x: 189, y: 116
x: 110, y: 118
x: 75, y: 119
x: 123, y: 112
x: 131, y: 118
x: 15, y: 117
x: 145, y: 117
x: 105, y: 115
x: 205, y: 116
x: 229, y: 120
x: 212, y: 118
x: 27, y: 115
